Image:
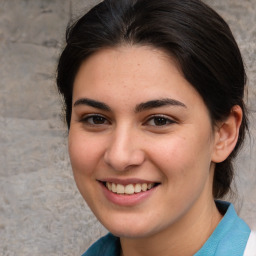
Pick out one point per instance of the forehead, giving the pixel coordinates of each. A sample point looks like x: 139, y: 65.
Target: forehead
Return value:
x: 126, y: 60
x: 132, y: 73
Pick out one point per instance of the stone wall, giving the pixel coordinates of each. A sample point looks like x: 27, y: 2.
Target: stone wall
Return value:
x: 41, y: 211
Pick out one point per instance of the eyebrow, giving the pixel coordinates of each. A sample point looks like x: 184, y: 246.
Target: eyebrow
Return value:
x: 139, y: 108
x: 92, y: 103
x: 158, y: 103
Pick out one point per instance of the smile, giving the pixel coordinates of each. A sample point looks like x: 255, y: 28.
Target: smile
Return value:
x: 129, y: 189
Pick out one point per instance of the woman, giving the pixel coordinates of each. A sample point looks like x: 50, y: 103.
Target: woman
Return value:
x: 154, y: 105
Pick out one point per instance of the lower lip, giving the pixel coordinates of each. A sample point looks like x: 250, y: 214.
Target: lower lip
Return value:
x: 127, y: 200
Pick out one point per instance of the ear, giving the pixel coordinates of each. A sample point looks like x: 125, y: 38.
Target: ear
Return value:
x: 226, y: 135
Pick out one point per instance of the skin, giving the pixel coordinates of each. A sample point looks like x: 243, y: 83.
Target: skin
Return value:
x: 126, y: 142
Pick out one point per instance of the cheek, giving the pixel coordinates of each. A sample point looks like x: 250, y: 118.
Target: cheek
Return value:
x: 84, y: 156
x: 84, y: 153
x: 183, y: 156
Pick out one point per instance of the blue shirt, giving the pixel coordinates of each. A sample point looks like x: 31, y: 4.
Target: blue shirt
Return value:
x: 229, y: 238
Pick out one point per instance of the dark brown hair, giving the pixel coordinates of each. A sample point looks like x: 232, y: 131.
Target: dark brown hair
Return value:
x: 188, y: 30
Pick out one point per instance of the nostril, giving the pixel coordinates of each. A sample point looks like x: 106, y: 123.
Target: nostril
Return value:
x: 123, y: 160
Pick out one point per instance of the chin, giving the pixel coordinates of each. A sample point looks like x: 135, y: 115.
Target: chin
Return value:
x: 130, y: 229
x: 130, y: 233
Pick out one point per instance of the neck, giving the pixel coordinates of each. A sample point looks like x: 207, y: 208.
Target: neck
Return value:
x: 184, y: 238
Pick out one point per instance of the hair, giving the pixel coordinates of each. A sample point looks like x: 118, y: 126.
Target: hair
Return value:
x: 190, y: 32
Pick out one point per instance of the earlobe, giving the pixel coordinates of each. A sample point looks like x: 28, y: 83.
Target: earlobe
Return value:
x: 226, y: 135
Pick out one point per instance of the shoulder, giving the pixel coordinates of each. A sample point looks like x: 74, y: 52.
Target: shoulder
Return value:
x: 236, y: 233
x: 230, y: 236
x: 108, y: 245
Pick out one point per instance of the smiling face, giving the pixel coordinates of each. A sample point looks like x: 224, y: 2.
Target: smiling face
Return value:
x: 140, y: 142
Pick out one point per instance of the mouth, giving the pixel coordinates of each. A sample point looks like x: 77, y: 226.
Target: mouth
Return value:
x: 129, y: 189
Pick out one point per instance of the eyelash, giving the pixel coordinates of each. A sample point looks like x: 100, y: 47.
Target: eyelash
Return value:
x: 167, y: 121
x: 86, y: 119
x: 155, y: 118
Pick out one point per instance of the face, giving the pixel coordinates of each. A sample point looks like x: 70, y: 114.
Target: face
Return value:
x: 140, y: 141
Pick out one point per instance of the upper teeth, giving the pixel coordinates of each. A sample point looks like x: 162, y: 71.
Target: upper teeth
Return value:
x: 128, y: 189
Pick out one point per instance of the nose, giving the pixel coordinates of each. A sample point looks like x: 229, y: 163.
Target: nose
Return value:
x: 124, y: 151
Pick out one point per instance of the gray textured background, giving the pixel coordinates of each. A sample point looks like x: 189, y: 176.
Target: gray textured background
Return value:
x: 41, y: 211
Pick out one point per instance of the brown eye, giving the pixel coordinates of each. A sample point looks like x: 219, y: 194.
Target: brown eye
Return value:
x: 159, y: 121
x: 95, y: 120
x: 98, y: 120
